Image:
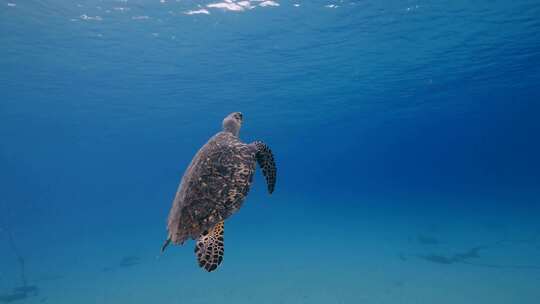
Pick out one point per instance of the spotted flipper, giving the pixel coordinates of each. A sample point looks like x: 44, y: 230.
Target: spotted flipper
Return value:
x: 209, y: 248
x: 266, y: 162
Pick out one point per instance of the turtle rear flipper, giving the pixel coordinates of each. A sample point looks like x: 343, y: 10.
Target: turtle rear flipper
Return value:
x: 265, y: 158
x: 209, y: 248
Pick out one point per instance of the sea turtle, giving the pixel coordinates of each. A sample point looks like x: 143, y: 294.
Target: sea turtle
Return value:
x: 214, y: 187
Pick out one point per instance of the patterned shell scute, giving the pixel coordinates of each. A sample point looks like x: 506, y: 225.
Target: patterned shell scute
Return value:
x: 213, y: 187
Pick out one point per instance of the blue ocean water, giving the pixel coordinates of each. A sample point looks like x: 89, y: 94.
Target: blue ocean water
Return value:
x: 405, y: 135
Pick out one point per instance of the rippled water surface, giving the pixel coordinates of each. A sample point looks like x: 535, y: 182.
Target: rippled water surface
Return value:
x: 405, y: 135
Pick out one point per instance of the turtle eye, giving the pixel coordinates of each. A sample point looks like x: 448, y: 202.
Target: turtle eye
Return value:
x: 239, y: 116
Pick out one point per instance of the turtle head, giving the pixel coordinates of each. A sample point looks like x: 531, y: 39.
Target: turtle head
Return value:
x: 232, y: 123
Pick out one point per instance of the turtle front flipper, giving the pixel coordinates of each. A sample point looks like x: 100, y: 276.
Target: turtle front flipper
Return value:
x: 209, y: 248
x: 265, y: 158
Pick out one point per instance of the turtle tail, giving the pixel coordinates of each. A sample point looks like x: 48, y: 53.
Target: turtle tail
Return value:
x: 209, y: 248
x: 165, y: 244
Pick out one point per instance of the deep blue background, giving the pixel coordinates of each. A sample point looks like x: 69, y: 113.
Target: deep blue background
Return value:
x: 416, y: 102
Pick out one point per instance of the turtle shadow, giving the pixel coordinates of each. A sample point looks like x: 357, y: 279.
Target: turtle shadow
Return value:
x: 124, y: 262
x: 460, y: 257
x: 19, y: 293
x: 427, y: 240
x: 467, y: 258
x: 129, y: 261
